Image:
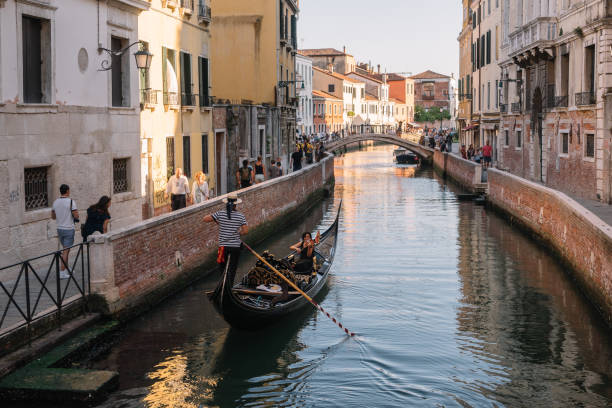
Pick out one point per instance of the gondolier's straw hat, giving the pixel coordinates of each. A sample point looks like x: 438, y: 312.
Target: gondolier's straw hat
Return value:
x: 232, y: 198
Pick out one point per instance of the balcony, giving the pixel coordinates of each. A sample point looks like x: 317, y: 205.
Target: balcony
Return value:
x: 503, y: 107
x: 206, y: 101
x: 171, y: 98
x: 585, y: 98
x: 148, y: 97
x: 561, y: 101
x: 204, y: 12
x: 187, y: 6
x: 467, y: 97
x: 188, y: 99
x: 516, y: 107
x: 536, y: 34
x: 427, y: 97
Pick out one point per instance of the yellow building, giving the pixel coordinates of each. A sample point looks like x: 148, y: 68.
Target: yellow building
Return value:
x: 176, y: 109
x: 465, y: 83
x: 253, y: 66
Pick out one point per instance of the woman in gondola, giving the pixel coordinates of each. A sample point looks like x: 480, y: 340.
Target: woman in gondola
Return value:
x: 306, y: 249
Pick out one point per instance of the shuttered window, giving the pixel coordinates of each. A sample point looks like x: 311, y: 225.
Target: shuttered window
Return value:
x: 32, y: 60
x: 204, y: 81
x: 186, y: 84
x: 205, y: 153
x: 489, y: 47
x: 170, y: 156
x: 117, y: 74
x: 187, y: 156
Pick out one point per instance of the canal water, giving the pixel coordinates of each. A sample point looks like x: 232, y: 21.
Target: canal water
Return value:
x: 452, y: 306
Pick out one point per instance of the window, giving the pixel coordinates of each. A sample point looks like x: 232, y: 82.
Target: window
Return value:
x: 187, y: 156
x: 120, y: 74
x: 488, y: 95
x: 36, y: 187
x: 564, y: 74
x: 204, y: 81
x: 362, y: 93
x: 589, y: 68
x: 331, y: 88
x: 169, y: 78
x: 170, y: 156
x: 36, y: 60
x: 564, y: 148
x: 519, y: 138
x: 205, y: 153
x: 507, y: 138
x: 489, y: 7
x: 187, y: 98
x: 488, y: 61
x: 589, y: 149
x: 120, y: 175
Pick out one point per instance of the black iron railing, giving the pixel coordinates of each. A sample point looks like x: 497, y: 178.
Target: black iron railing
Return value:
x: 37, y: 287
x: 561, y: 101
x: 204, y: 13
x: 503, y: 108
x: 516, y: 107
x: 188, y: 99
x: 585, y: 98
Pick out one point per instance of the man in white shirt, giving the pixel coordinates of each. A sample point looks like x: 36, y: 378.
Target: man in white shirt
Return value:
x: 178, y: 188
x: 66, y: 214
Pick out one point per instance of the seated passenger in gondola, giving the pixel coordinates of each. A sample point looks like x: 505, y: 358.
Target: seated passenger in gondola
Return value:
x: 307, y: 253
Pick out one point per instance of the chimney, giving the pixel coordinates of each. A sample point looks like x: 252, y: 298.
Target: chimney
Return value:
x: 344, y: 49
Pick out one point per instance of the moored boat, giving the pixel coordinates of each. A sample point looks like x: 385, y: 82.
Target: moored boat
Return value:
x: 403, y: 156
x: 251, y: 307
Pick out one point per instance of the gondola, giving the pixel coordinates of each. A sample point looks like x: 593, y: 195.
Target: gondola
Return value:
x: 248, y: 308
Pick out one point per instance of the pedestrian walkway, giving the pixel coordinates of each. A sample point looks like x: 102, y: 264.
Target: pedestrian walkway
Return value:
x: 35, y: 291
x: 602, y: 210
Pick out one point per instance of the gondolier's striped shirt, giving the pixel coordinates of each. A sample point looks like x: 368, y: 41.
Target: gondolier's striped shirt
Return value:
x: 229, y: 230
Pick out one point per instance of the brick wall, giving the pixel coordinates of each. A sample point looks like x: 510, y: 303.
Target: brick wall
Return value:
x: 129, y: 264
x: 577, y: 235
x: 465, y: 172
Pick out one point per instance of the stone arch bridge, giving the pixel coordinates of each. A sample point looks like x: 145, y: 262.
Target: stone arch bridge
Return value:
x: 425, y: 153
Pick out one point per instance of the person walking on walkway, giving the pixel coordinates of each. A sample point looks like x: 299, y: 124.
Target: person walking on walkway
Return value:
x: 487, y: 152
x: 296, y: 159
x: 244, y: 175
x: 199, y: 189
x: 66, y: 215
x: 232, y: 225
x: 260, y: 171
x: 463, y: 152
x: 470, y: 152
x: 178, y: 188
x: 98, y: 218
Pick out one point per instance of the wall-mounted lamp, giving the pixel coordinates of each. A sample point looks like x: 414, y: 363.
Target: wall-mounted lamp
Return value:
x: 143, y: 57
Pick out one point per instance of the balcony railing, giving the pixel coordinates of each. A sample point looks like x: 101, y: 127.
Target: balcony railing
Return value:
x: 467, y: 96
x: 204, y: 12
x: 206, y: 101
x: 503, y: 108
x: 528, y: 36
x: 561, y: 101
x: 187, y: 6
x: 171, y: 98
x: 585, y: 98
x: 148, y: 96
x: 188, y: 99
x: 516, y: 107
x: 427, y: 97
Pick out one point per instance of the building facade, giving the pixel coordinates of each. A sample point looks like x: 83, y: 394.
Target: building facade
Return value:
x: 556, y: 99
x: 330, y: 59
x: 259, y: 93
x: 431, y: 90
x: 305, y: 124
x: 327, y: 113
x: 485, y: 57
x: 464, y: 111
x: 64, y: 119
x: 176, y: 110
x: 401, y: 89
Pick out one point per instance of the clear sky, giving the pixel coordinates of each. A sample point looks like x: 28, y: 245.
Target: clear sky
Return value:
x: 400, y: 35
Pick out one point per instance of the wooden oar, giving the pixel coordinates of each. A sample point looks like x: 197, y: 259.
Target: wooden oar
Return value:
x: 300, y: 291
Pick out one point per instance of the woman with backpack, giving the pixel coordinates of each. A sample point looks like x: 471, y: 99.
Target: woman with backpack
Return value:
x: 244, y: 175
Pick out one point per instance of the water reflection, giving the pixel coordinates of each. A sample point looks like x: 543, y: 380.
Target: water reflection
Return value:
x: 453, y: 307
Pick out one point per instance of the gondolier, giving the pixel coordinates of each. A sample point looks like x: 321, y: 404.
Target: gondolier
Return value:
x: 232, y: 224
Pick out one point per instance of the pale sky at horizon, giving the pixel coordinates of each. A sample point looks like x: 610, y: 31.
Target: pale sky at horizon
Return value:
x: 400, y: 35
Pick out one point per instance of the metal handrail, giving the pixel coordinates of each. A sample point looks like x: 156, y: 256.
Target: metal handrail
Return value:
x: 56, y: 292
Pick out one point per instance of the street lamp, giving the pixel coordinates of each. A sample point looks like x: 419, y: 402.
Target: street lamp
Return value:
x: 143, y: 57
